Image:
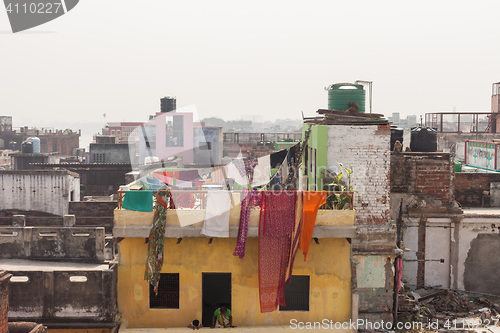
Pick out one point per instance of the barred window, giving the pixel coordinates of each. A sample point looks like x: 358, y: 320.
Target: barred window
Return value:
x: 168, y: 292
x: 297, y: 294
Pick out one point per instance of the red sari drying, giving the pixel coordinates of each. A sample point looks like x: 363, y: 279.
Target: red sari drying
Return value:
x: 277, y: 220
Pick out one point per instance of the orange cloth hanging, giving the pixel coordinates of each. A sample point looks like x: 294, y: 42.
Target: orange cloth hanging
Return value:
x: 312, y: 200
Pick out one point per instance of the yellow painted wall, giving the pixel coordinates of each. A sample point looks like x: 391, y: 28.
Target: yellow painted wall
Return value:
x: 129, y: 218
x: 328, y: 266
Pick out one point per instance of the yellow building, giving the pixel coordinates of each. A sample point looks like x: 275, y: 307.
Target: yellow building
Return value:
x: 200, y: 274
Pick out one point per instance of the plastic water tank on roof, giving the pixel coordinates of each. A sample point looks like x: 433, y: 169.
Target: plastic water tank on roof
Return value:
x: 340, y: 95
x: 36, y: 144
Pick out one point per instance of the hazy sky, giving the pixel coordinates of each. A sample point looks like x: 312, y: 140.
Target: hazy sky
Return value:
x: 232, y: 58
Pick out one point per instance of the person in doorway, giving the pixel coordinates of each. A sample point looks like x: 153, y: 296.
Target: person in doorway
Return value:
x: 195, y: 325
x: 222, y: 318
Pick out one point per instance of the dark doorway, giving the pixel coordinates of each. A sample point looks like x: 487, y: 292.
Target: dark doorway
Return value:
x: 216, y: 292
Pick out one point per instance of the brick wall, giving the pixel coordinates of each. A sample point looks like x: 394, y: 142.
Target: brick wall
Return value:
x: 469, y: 187
x: 88, y: 214
x: 423, y: 174
x: 33, y: 218
x: 93, y: 213
x: 4, y: 301
x: 366, y: 150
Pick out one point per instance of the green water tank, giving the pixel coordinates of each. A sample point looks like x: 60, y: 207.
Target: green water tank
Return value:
x: 341, y: 94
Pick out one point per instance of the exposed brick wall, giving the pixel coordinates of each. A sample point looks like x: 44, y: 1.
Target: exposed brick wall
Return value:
x: 427, y: 174
x: 93, y: 213
x: 88, y: 214
x: 33, y: 218
x: 366, y: 150
x: 4, y: 301
x: 469, y: 187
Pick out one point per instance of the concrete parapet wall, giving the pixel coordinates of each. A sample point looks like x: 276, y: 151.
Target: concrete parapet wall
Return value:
x: 63, y: 296
x: 52, y: 243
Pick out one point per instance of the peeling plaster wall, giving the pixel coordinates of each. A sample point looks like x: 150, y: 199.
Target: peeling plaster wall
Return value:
x: 467, y: 244
x: 365, y: 149
x: 469, y: 247
x: 44, y: 191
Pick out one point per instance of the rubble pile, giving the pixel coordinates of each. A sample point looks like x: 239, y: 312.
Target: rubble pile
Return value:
x: 446, y: 306
x: 335, y: 117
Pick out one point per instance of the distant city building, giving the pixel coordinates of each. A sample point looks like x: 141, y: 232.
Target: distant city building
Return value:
x: 64, y: 142
x: 408, y: 122
x: 5, y: 123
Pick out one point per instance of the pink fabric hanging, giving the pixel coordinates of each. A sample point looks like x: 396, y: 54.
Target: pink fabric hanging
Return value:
x: 277, y: 219
x: 249, y: 199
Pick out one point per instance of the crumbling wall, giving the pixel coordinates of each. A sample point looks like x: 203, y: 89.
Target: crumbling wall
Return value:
x: 52, y: 243
x: 365, y: 149
x: 469, y: 188
x: 93, y: 213
x: 33, y: 218
x: 424, y: 175
x: 70, y: 295
x: 4, y: 301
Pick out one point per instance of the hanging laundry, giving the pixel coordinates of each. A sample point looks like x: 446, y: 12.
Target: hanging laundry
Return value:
x: 277, y: 219
x: 262, y: 172
x: 183, y: 184
x: 141, y: 201
x: 278, y: 157
x: 249, y: 199
x: 399, y: 272
x: 294, y: 246
x: 204, y: 173
x: 284, y: 172
x: 156, y: 239
x: 218, y: 174
x: 217, y: 214
x: 188, y: 175
x: 312, y: 201
x: 183, y: 199
x: 232, y: 172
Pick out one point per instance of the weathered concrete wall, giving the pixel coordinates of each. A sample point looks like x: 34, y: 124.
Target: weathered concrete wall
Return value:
x: 454, y: 143
x: 365, y: 149
x: 32, y: 218
x: 45, y: 191
x: 82, y: 295
x: 469, y: 188
x: 428, y: 261
x: 4, y: 301
x: 454, y: 251
x: 109, y: 153
x: 374, y: 283
x: 52, y: 243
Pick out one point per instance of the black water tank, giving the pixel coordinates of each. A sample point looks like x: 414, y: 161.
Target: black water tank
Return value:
x: 396, y: 135
x: 423, y: 139
x: 27, y: 147
x: 168, y: 104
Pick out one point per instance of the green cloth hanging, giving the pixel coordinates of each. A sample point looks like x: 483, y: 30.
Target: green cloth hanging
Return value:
x: 156, y: 239
x: 141, y: 201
